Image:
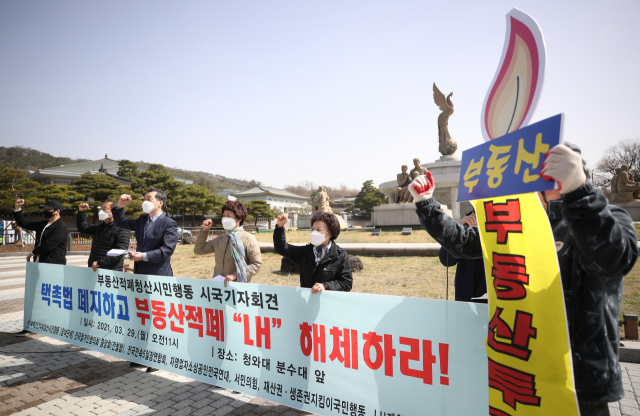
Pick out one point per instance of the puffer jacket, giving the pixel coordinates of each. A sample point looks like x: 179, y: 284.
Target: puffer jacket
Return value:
x: 105, y: 237
x: 333, y: 271
x: 597, y: 246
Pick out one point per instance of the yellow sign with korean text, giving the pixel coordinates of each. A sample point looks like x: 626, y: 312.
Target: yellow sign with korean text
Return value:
x: 530, y: 368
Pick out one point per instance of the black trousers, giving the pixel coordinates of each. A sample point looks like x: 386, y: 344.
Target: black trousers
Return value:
x: 593, y: 409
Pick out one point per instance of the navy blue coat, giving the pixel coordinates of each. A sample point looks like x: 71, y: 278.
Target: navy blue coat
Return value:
x: 159, y: 244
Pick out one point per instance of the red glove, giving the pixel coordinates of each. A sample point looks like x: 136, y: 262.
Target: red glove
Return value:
x: 422, y: 187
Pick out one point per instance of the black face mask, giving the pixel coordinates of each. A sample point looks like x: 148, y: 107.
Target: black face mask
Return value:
x: 49, y: 214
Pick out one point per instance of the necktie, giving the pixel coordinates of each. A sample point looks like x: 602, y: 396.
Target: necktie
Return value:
x: 146, y: 227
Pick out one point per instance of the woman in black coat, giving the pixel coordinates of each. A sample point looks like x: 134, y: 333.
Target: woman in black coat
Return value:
x: 323, y: 265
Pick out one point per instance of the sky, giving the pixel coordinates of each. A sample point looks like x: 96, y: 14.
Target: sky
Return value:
x: 287, y: 91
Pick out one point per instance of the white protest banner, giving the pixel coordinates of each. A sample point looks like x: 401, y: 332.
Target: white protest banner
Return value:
x: 329, y: 353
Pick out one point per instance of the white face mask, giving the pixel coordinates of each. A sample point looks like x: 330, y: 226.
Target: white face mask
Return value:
x: 147, y: 207
x: 317, y: 238
x: 228, y: 223
x: 102, y: 215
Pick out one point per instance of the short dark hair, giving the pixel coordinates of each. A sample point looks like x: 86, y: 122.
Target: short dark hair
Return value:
x: 160, y: 195
x: 238, y: 208
x: 329, y: 219
x: 113, y: 202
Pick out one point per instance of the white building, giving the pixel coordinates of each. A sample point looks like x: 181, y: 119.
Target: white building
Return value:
x: 277, y: 198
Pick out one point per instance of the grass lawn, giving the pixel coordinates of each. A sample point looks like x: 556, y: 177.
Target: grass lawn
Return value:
x: 421, y: 277
x: 418, y: 236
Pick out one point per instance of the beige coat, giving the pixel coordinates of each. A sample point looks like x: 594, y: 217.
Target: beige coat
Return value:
x: 221, y: 246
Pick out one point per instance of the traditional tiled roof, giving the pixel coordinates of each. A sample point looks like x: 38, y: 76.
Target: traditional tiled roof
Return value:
x: 264, y: 190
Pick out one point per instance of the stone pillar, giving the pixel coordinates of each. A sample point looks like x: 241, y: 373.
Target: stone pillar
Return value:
x: 455, y: 206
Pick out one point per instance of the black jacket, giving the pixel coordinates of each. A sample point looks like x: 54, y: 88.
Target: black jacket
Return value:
x: 51, y: 246
x: 333, y: 271
x: 470, y: 281
x: 597, y: 246
x: 105, y: 237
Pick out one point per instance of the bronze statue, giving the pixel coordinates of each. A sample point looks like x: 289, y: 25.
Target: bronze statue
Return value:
x: 622, y: 187
x: 402, y: 191
x: 447, y: 145
x: 417, y: 170
x: 320, y: 201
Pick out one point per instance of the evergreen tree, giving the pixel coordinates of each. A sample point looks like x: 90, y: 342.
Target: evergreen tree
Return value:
x: 368, y: 198
x: 196, y: 200
x: 98, y: 188
x: 66, y: 194
x: 14, y: 185
x: 259, y: 209
x: 128, y: 169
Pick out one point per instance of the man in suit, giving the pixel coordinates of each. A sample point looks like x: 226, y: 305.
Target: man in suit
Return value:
x: 156, y: 236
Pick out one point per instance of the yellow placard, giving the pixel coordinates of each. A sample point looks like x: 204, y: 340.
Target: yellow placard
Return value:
x: 530, y: 369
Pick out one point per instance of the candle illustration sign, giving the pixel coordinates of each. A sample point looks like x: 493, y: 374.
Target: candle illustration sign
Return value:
x: 530, y: 368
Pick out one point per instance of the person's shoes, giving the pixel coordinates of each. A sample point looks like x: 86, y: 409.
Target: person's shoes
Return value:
x: 135, y: 365
x: 152, y: 370
x: 23, y: 333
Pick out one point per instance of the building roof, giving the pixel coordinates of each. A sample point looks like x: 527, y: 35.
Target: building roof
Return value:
x: 264, y: 190
x: 105, y: 165
x: 226, y: 192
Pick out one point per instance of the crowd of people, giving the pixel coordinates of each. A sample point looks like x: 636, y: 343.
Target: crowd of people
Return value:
x: 596, y: 243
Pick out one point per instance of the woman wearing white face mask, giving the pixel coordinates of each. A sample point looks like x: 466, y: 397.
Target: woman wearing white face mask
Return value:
x: 106, y: 236
x: 323, y: 265
x: 237, y: 252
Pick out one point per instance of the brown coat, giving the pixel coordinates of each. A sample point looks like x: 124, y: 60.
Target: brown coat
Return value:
x: 221, y: 246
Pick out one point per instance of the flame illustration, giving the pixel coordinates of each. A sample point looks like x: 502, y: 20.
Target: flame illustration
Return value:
x: 515, y: 90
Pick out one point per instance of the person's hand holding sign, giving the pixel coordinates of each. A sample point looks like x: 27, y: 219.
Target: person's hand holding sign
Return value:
x: 564, y: 166
x: 422, y: 187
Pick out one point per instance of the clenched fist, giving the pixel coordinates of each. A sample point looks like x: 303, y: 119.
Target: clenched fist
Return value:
x: 206, y: 225
x: 83, y: 207
x: 282, y: 220
x: 18, y: 204
x: 124, y: 200
x: 422, y: 187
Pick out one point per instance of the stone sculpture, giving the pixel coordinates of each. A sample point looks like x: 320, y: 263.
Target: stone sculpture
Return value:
x: 623, y: 189
x: 320, y: 201
x: 402, y: 191
x: 417, y: 169
x: 447, y: 145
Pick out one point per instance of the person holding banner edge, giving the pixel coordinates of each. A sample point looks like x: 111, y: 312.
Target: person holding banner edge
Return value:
x: 599, y: 247
x: 105, y: 236
x: 323, y: 265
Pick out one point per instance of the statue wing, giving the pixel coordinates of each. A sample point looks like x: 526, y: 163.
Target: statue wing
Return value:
x: 439, y: 99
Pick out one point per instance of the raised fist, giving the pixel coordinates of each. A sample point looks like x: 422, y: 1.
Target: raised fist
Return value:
x: 18, y: 204
x: 206, y: 225
x: 83, y: 207
x: 564, y: 166
x: 282, y: 220
x: 124, y: 200
x: 422, y: 187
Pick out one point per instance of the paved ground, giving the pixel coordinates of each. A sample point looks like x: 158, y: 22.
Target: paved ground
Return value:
x: 43, y: 376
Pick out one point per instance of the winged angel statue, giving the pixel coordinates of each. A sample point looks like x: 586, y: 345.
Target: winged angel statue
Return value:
x: 447, y: 145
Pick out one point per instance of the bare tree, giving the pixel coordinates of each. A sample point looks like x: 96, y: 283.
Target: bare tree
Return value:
x: 626, y: 152
x: 306, y: 188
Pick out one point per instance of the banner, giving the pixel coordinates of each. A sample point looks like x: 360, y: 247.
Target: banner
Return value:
x: 331, y: 353
x: 530, y: 369
x: 510, y: 164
